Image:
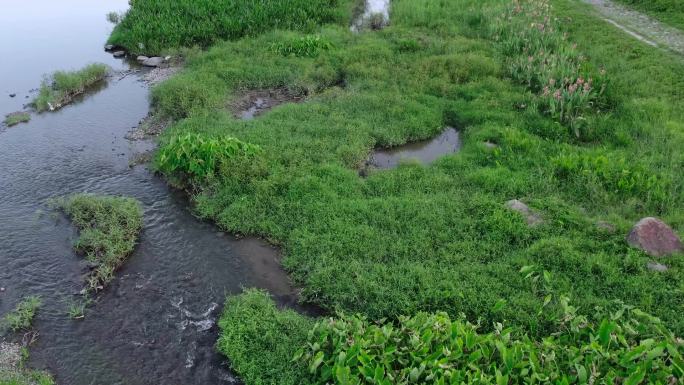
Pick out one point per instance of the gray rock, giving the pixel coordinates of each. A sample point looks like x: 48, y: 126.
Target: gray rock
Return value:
x: 153, y: 62
x: 606, y: 226
x: 655, y: 238
x: 119, y: 53
x: 654, y: 266
x: 141, y: 58
x: 108, y: 47
x: 531, y: 217
x: 12, y: 95
x: 489, y: 144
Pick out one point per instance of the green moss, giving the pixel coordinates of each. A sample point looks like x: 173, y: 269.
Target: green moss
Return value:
x: 62, y: 86
x: 109, y: 228
x: 151, y: 26
x: 17, y: 117
x: 262, y: 340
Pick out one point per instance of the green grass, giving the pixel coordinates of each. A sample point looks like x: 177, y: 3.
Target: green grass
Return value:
x: 109, y: 229
x: 13, y: 358
x: 668, y: 11
x: 439, y: 238
x: 17, y: 117
x: 151, y: 26
x: 61, y: 87
x: 22, y: 316
x: 262, y: 340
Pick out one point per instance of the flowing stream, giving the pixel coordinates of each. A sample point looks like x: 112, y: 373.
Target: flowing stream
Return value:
x: 155, y: 324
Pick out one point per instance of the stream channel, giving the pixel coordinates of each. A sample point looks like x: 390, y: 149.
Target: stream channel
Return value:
x: 155, y: 323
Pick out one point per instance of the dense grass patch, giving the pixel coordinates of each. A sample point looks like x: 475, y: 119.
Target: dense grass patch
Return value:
x: 17, y: 117
x: 109, y: 228
x: 22, y: 316
x: 440, y: 238
x: 262, y: 340
x: 153, y: 25
x: 61, y: 87
x: 668, y: 11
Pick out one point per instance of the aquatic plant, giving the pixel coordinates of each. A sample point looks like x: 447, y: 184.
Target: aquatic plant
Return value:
x: 16, y: 118
x: 198, y: 157
x: 22, y: 316
x: 108, y: 231
x: 61, y: 87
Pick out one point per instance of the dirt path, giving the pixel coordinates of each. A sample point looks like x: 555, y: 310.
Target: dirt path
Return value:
x: 640, y: 26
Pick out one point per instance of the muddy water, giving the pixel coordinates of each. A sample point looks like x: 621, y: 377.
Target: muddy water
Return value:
x: 155, y: 324
x: 425, y: 152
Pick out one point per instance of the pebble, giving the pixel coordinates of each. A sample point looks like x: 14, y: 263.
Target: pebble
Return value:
x: 12, y: 95
x: 2, y: 289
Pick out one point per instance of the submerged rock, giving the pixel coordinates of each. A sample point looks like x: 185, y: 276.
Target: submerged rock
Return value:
x: 532, y: 218
x: 655, y: 238
x: 119, y: 54
x: 12, y: 95
x: 153, y: 62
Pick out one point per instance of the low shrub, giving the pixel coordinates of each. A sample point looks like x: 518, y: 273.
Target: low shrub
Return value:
x: 199, y: 157
x: 22, y: 316
x: 109, y: 228
x: 62, y: 86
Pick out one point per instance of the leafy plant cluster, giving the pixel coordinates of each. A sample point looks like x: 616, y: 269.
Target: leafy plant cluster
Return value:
x: 304, y: 46
x: 109, y: 227
x: 62, y: 86
x: 22, y: 316
x: 199, y: 157
x: 153, y: 25
x: 540, y: 56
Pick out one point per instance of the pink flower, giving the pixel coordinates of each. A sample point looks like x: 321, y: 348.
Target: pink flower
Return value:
x: 557, y: 94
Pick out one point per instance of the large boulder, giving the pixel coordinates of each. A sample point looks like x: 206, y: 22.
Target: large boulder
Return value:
x: 531, y: 217
x: 655, y: 238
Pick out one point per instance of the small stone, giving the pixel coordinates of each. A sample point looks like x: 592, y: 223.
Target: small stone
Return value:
x: 489, y: 144
x: 109, y: 47
x: 12, y: 95
x: 119, y: 54
x: 655, y: 238
x: 167, y: 58
x: 153, y: 62
x: 141, y: 58
x: 606, y: 226
x: 654, y: 266
x: 533, y: 219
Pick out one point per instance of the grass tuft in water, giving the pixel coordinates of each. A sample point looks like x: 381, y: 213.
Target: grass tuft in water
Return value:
x: 61, y: 87
x: 22, y: 316
x: 17, y: 117
x: 109, y: 228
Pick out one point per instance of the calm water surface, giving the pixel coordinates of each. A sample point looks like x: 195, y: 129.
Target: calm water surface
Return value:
x: 155, y: 324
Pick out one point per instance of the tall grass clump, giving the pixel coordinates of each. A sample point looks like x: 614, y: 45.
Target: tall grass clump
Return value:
x: 153, y: 25
x: 22, y: 316
x: 540, y: 56
x: 61, y: 87
x: 262, y: 340
x: 109, y: 228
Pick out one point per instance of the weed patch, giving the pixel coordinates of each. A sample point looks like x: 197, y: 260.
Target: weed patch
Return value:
x: 61, y: 87
x: 17, y: 117
x: 109, y: 228
x: 22, y: 316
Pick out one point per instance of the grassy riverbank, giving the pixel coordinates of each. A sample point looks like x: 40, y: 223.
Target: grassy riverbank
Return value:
x: 668, y: 11
x: 587, y: 130
x: 153, y: 25
x: 108, y: 231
